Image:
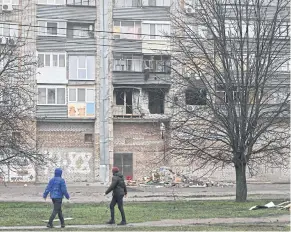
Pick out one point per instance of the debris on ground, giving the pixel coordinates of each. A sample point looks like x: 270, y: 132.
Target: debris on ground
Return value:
x: 272, y: 205
x: 166, y: 177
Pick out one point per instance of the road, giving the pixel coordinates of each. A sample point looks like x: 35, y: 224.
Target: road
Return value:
x: 86, y: 192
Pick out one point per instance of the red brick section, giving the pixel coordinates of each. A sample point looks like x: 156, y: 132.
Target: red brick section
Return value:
x: 144, y: 141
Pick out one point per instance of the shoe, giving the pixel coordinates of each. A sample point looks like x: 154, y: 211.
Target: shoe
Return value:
x: 111, y: 222
x: 63, y: 226
x: 122, y: 223
x: 49, y: 225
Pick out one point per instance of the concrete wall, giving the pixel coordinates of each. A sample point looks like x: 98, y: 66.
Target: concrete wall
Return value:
x: 66, y: 146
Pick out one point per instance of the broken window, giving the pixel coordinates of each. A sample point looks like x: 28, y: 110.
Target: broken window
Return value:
x: 156, y: 101
x: 124, y: 162
x: 195, y: 96
x: 124, y: 98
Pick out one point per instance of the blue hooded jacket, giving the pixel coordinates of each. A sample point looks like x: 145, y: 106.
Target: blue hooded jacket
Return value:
x: 57, y: 186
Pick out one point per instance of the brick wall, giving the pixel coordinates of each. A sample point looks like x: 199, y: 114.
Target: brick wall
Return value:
x: 66, y: 146
x: 144, y: 141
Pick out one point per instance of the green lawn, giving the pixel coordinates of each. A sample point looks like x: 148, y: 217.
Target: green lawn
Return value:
x: 13, y: 214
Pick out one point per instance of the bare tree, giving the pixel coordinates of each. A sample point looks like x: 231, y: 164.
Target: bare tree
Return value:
x: 18, y: 146
x: 230, y: 62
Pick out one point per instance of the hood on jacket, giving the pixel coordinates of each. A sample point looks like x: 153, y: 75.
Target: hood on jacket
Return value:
x: 58, y: 172
x: 119, y: 174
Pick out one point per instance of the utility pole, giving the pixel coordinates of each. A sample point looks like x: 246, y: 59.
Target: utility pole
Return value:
x: 104, y: 90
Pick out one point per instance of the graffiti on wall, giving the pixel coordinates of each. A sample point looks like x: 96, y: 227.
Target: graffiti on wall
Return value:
x: 21, y: 174
x: 73, y: 163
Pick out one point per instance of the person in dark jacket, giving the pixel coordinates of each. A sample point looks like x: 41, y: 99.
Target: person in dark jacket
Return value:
x: 119, y: 190
x: 57, y: 189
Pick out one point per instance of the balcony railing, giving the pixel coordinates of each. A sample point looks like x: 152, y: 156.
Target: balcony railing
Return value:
x: 125, y: 112
x: 134, y: 65
x: 140, y: 3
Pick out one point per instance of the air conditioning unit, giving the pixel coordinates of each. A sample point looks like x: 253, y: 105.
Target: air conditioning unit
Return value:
x: 190, y: 108
x: 7, y: 7
x: 2, y: 40
x: 189, y: 10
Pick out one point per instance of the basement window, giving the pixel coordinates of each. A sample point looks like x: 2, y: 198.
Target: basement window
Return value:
x: 88, y: 138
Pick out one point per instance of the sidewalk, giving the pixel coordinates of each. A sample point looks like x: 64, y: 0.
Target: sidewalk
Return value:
x: 284, y: 219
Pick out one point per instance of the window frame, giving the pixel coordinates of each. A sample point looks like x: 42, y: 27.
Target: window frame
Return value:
x: 56, y: 95
x: 2, y: 28
x: 78, y: 68
x: 136, y: 36
x: 158, y: 35
x: 45, y: 33
x: 86, y: 95
x: 11, y: 2
x: 80, y: 5
x: 55, y: 3
x: 51, y: 54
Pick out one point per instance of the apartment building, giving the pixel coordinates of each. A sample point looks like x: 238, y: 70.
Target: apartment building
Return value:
x: 66, y: 79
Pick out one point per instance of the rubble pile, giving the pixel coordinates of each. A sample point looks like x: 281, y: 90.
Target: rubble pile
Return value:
x: 165, y: 177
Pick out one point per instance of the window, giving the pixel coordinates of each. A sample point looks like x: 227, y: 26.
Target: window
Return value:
x: 222, y: 96
x: 8, y: 30
x: 158, y: 31
x: 51, y: 2
x: 139, y: 3
x: 127, y: 30
x: 195, y: 97
x: 13, y: 2
x: 51, y: 96
x: 81, y: 67
x: 156, y: 101
x: 16, y: 135
x: 81, y: 95
x: 80, y: 30
x: 127, y: 62
x: 88, y: 138
x: 283, y: 30
x: 120, y: 98
x: 124, y: 162
x: 52, y: 28
x: 81, y: 2
x: 157, y: 64
x: 51, y: 60
x: 81, y: 102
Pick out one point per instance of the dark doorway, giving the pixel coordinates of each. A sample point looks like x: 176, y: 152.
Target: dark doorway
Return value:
x: 156, y: 101
x: 125, y: 164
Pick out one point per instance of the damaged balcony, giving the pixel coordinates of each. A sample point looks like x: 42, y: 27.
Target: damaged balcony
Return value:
x: 141, y: 70
x: 138, y: 103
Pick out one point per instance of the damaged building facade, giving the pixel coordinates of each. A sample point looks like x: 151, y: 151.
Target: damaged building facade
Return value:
x: 69, y: 76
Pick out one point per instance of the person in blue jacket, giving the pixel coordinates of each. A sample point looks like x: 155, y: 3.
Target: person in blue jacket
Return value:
x: 57, y: 189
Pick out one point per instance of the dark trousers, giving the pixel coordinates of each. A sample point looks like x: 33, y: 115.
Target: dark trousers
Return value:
x: 57, y: 211
x: 119, y: 201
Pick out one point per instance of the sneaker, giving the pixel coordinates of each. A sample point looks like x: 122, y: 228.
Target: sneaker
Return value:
x: 49, y: 225
x: 111, y: 222
x: 63, y: 226
x: 122, y: 223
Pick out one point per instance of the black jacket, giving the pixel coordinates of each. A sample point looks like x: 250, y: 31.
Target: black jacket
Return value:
x: 118, y: 185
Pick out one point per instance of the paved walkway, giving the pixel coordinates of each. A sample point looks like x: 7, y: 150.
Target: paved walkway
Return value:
x: 283, y: 219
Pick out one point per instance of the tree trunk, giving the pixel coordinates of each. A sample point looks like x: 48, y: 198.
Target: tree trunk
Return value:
x: 241, y: 183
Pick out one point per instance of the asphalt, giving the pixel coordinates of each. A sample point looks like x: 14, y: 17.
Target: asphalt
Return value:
x: 94, y: 192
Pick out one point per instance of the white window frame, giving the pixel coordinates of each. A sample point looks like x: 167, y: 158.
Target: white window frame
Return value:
x: 137, y: 36
x: 56, y: 95
x: 157, y: 36
x: 10, y: 2
x: 46, y: 21
x: 3, y: 24
x: 86, y: 95
x: 51, y: 59
x: 86, y: 68
x: 54, y: 3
